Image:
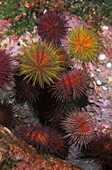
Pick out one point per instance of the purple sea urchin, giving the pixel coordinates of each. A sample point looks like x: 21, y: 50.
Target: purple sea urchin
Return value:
x: 72, y: 85
x: 52, y: 27
x: 79, y: 128
x: 25, y: 91
x: 45, y: 139
x: 40, y: 63
x: 83, y: 44
x: 6, y: 69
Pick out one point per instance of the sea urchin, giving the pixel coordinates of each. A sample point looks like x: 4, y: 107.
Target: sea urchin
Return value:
x: 101, y: 150
x: 72, y: 85
x: 25, y: 91
x: 79, y: 128
x: 40, y: 63
x: 6, y: 114
x: 6, y: 69
x: 52, y: 27
x: 45, y: 139
x: 83, y: 44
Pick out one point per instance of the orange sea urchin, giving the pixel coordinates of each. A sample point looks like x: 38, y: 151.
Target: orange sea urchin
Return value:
x: 83, y: 44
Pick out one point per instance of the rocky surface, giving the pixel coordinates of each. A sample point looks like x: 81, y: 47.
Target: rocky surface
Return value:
x: 17, y: 155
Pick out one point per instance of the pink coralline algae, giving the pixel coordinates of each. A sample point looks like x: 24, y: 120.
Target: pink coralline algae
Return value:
x: 106, y: 38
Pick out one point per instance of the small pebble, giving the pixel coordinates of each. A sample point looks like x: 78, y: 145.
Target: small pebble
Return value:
x: 109, y: 79
x: 104, y: 88
x: 45, y: 10
x: 105, y: 27
x: 99, y: 82
x: 92, y: 75
x: 109, y: 65
x: 107, y: 102
x: 98, y: 70
x: 102, y: 56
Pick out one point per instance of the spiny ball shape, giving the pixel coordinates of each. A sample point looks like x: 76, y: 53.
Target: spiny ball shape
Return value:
x: 72, y: 85
x: 6, y: 69
x: 79, y: 128
x: 25, y: 91
x: 40, y: 63
x: 45, y: 139
x: 6, y: 114
x: 52, y: 27
x: 83, y: 44
x: 101, y: 150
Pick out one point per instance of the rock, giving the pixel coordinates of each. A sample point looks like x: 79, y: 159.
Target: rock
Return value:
x: 16, y: 155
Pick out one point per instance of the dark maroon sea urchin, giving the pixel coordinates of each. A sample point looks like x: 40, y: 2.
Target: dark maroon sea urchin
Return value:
x: 6, y: 114
x: 6, y: 70
x: 72, y: 85
x: 101, y: 150
x: 45, y: 139
x: 52, y: 26
x: 25, y: 91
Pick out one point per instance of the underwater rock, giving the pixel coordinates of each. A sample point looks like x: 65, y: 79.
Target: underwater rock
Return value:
x: 16, y: 155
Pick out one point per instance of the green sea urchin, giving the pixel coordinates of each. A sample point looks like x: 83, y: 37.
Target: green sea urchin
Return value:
x: 83, y: 44
x: 40, y: 63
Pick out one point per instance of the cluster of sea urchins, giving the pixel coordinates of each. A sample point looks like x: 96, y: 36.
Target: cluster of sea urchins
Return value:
x: 59, y: 91
x: 80, y: 133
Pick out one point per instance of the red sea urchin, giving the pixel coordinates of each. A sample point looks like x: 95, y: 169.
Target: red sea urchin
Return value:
x: 71, y: 86
x: 6, y: 70
x: 45, y: 139
x: 101, y: 150
x: 79, y: 128
x: 52, y: 27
